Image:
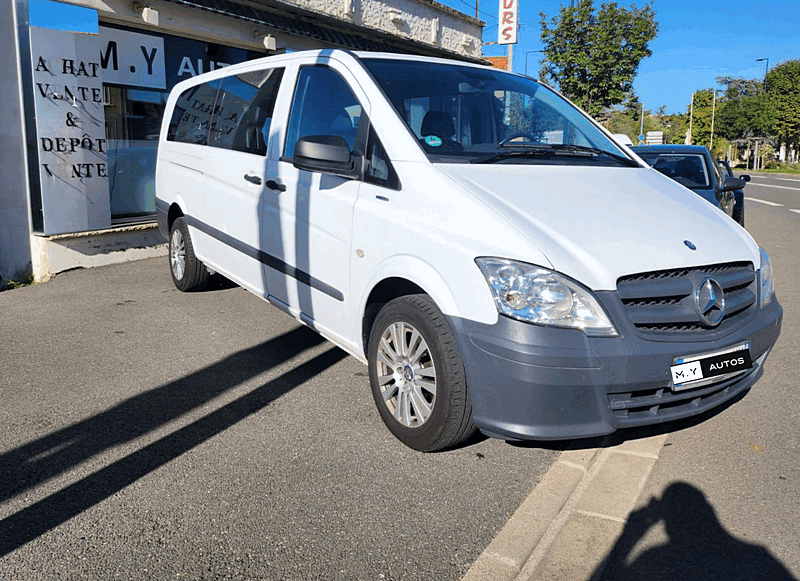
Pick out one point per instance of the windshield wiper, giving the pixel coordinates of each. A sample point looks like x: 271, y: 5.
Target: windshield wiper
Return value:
x: 575, y: 148
x: 537, y: 149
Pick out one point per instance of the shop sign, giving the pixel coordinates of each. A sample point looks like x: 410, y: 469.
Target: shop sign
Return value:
x: 70, y: 130
x: 509, y: 22
x: 132, y: 59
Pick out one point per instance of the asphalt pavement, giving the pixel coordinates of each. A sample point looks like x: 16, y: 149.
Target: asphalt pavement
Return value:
x: 151, y: 434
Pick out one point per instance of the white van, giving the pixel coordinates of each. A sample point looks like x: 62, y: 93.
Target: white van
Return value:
x: 488, y: 250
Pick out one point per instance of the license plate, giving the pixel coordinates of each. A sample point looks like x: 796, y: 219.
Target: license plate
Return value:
x: 692, y: 370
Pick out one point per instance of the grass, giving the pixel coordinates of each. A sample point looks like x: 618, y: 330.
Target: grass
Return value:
x: 13, y: 284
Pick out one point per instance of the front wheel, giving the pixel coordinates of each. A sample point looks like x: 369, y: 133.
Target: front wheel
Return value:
x: 417, y: 375
x: 188, y: 273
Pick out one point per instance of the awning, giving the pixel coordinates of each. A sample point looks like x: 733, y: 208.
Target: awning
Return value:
x: 344, y: 34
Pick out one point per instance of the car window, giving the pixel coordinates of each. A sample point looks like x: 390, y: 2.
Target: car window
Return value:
x: 243, y: 111
x: 379, y: 169
x: 478, y: 115
x: 323, y: 104
x: 191, y: 117
x: 687, y: 169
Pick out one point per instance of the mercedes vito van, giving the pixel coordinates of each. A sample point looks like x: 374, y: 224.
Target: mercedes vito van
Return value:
x: 490, y: 252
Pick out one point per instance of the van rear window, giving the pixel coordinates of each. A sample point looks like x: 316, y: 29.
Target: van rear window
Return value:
x: 192, y: 115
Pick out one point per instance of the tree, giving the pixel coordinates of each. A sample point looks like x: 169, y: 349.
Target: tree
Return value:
x: 592, y: 57
x: 701, y: 112
x: 744, y: 111
x: 783, y: 96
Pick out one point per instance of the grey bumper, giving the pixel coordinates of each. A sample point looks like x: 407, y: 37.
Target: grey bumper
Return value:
x: 533, y: 382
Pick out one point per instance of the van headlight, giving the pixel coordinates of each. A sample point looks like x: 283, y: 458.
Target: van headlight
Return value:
x: 536, y: 295
x: 767, y: 290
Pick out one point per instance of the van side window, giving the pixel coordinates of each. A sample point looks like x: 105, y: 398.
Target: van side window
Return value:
x: 379, y: 169
x: 323, y: 104
x: 243, y: 111
x: 192, y: 115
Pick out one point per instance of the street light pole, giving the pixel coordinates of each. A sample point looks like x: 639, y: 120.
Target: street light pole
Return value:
x: 527, y: 52
x: 766, y: 70
x: 691, y: 115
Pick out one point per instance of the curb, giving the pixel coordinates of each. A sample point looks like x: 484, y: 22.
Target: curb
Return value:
x: 568, y: 524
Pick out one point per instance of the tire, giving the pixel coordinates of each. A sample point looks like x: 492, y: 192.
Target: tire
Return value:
x: 420, y: 388
x: 188, y: 273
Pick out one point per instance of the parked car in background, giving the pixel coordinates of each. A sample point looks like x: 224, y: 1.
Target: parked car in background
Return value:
x: 738, y: 209
x: 693, y: 167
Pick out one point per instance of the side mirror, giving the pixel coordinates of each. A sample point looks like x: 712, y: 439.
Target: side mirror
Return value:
x: 745, y: 177
x: 731, y: 183
x: 326, y: 154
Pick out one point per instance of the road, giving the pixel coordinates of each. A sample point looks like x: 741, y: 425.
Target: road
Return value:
x: 722, y: 501
x: 151, y: 434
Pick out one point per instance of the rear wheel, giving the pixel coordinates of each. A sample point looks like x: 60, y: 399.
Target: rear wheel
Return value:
x: 188, y: 273
x: 417, y: 375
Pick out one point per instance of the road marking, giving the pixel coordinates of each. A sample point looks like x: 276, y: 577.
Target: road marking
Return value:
x: 764, y: 202
x: 796, y: 211
x: 771, y: 186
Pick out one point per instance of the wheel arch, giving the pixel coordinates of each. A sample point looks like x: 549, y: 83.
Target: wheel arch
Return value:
x: 396, y: 282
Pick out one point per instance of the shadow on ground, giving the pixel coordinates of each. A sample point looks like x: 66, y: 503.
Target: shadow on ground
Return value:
x: 50, y: 456
x: 698, y: 546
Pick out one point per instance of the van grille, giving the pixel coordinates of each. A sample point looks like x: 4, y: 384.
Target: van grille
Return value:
x: 662, y: 303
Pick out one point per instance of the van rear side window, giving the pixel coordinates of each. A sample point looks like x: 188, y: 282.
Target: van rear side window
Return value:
x: 243, y: 111
x: 192, y: 115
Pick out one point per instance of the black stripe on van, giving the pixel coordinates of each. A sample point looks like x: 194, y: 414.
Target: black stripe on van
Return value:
x: 266, y: 259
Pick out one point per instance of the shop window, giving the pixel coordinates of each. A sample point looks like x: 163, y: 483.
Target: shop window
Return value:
x: 243, y: 111
x: 133, y: 123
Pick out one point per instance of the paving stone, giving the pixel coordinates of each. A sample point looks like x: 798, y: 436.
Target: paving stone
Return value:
x: 581, y: 457
x: 579, y: 550
x: 614, y: 489
x: 526, y: 528
x: 646, y: 446
x: 490, y: 568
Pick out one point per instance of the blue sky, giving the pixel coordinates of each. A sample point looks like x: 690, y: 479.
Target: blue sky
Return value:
x: 697, y: 41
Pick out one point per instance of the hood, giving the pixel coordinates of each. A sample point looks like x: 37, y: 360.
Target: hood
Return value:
x: 596, y: 224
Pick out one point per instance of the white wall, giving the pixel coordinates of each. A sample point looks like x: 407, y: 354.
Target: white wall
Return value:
x: 422, y: 21
x: 15, y: 251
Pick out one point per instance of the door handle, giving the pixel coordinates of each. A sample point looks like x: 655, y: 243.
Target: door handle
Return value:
x: 273, y: 185
x: 253, y: 179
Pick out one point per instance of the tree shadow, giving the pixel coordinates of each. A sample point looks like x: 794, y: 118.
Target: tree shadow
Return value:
x: 698, y: 546
x: 52, y: 455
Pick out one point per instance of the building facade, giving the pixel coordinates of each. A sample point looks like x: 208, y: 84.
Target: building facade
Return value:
x: 82, y: 104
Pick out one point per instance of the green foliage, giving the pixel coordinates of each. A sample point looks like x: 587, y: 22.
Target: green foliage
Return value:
x: 744, y: 111
x: 783, y: 96
x: 629, y: 122
x: 592, y: 57
x: 701, y: 111
x: 13, y: 284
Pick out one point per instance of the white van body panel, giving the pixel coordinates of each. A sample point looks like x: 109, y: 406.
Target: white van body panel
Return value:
x: 317, y: 245
x: 596, y: 224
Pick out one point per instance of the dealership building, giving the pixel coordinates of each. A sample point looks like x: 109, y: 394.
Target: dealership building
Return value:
x: 82, y: 104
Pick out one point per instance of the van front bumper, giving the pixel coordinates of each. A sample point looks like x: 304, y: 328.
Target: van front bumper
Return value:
x: 530, y: 382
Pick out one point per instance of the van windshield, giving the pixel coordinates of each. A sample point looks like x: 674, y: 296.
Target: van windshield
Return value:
x: 474, y: 115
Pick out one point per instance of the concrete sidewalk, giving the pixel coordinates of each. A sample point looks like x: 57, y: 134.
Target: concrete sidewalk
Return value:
x: 568, y: 525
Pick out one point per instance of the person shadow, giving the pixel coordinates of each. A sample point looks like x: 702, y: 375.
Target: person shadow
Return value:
x: 698, y: 546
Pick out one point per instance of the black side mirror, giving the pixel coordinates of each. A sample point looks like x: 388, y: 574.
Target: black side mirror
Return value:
x: 730, y: 183
x: 326, y: 154
x: 745, y: 177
